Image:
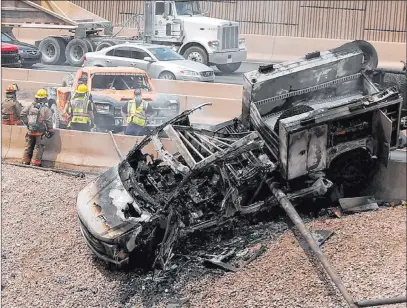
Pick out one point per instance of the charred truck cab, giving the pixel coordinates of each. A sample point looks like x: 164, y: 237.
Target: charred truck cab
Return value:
x: 311, y: 126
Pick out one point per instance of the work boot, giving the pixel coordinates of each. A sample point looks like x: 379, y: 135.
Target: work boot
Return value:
x: 25, y: 163
x: 36, y: 165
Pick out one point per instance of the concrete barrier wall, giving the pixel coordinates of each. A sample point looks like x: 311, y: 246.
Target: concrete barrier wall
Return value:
x: 222, y: 109
x: 272, y: 48
x: 218, y: 90
x: 73, y: 149
x: 96, y: 151
x: 264, y: 48
x: 390, y: 183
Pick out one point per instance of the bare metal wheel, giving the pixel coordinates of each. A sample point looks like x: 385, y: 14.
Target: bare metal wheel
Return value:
x: 197, y: 54
x: 166, y: 75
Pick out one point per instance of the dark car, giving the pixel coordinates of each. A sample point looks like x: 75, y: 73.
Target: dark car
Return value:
x: 29, y: 54
x: 10, y: 56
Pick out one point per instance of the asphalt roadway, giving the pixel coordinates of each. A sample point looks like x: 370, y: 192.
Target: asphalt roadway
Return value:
x: 234, y: 78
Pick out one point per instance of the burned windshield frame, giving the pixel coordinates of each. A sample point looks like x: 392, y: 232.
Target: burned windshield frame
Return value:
x: 185, y: 8
x: 102, y: 82
x: 165, y: 54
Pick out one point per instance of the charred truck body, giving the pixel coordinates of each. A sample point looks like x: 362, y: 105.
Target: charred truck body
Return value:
x: 311, y: 125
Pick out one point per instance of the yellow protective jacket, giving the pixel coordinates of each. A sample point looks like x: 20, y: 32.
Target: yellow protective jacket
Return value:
x: 78, y: 108
x: 137, y: 115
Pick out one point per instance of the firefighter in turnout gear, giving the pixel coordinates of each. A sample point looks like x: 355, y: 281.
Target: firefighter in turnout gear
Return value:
x: 11, y: 107
x: 80, y: 109
x: 135, y: 110
x: 38, y: 119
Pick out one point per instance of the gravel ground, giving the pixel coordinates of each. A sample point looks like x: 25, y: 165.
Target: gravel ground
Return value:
x: 368, y: 250
x: 45, y: 262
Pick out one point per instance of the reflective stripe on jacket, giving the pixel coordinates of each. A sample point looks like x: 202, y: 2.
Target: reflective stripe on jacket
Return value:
x: 79, y: 105
x: 137, y: 115
x: 11, y: 110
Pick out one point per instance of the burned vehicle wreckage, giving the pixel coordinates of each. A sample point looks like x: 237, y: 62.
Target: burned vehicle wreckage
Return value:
x: 309, y: 126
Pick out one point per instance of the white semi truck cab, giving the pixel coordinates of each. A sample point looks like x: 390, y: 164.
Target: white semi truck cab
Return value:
x: 183, y: 25
x: 179, y: 24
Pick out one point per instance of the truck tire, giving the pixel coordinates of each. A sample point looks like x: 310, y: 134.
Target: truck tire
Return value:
x: 229, y: 68
x: 91, y: 45
x: 353, y: 170
x: 75, y: 52
x: 105, y: 44
x: 197, y: 54
x: 68, y: 80
x: 371, y: 58
x: 56, y: 117
x: 293, y: 111
x: 52, y: 50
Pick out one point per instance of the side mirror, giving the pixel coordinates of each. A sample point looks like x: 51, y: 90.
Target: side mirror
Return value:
x: 148, y: 59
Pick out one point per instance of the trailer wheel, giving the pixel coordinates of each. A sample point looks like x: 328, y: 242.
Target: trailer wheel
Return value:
x: 105, y: 44
x: 52, y: 50
x: 75, y: 52
x: 197, y: 54
x: 293, y: 111
x: 229, y: 68
x: 371, y: 58
x: 91, y: 45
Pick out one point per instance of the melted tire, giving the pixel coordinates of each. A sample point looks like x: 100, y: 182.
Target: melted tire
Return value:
x: 353, y: 171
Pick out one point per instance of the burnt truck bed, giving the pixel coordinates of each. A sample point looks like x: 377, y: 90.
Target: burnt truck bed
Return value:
x: 201, y: 178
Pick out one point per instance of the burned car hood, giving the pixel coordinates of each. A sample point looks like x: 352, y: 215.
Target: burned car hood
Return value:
x: 100, y: 204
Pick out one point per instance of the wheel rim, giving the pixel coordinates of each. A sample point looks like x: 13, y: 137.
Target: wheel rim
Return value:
x: 167, y: 76
x: 195, y: 56
x: 50, y: 51
x: 77, y: 53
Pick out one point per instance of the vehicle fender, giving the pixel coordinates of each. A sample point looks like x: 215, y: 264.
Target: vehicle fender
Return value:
x: 201, y: 43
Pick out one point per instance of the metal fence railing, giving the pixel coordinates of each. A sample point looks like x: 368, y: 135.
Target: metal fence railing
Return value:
x: 368, y: 19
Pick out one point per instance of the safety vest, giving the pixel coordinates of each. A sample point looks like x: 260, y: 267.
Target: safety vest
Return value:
x: 79, y: 107
x: 9, y: 116
x: 137, y: 115
x: 36, y: 119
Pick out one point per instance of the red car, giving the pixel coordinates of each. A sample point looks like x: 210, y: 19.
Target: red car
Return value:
x: 10, y: 56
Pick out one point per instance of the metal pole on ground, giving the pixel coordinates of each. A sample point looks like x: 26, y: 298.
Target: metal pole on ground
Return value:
x: 296, y: 219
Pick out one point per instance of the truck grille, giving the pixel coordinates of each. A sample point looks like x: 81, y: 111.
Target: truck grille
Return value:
x: 230, y: 37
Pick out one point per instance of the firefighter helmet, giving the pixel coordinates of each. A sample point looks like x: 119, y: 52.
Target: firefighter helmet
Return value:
x: 82, y: 88
x: 12, y: 88
x: 41, y: 93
